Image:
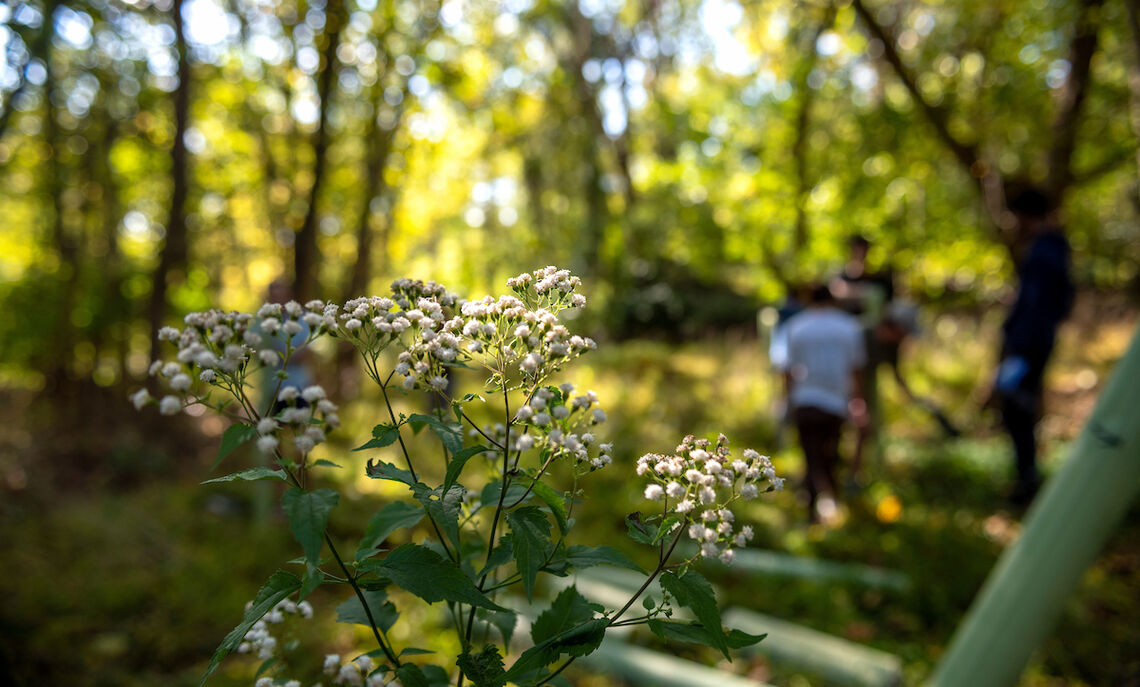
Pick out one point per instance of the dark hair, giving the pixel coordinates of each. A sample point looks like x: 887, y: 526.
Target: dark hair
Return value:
x: 1028, y: 200
x: 858, y: 240
x: 821, y: 293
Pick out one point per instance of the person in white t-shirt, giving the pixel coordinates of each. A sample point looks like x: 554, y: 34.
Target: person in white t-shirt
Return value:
x: 825, y: 356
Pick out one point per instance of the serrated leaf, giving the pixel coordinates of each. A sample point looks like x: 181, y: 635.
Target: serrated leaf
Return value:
x: 490, y: 494
x: 569, y: 609
x: 279, y: 586
x: 695, y: 633
x: 250, y: 475
x: 458, y: 460
x: 325, y: 463
x: 425, y: 573
x: 383, y: 611
x: 234, y: 436
x: 530, y: 543
x: 484, y: 669
x: 444, y: 507
x: 308, y: 515
x: 450, y: 434
x: 694, y: 592
x: 382, y: 435
x: 582, y: 557
x: 394, y: 516
x: 556, y: 501
x: 577, y: 641
x: 382, y: 470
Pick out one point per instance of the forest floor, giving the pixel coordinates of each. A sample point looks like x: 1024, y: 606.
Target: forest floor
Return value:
x: 123, y: 571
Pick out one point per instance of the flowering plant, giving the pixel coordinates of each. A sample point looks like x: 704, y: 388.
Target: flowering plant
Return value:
x: 488, y: 530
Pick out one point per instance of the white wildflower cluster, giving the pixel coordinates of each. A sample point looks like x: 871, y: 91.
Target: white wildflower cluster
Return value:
x: 373, y: 323
x: 700, y: 481
x: 306, y: 413
x: 259, y: 640
x: 220, y: 348
x: 559, y: 423
x: 525, y: 329
x: 359, y: 672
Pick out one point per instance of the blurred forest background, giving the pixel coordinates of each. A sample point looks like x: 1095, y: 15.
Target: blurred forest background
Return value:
x: 689, y: 159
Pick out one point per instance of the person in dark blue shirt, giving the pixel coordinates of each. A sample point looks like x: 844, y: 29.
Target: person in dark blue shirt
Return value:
x: 1044, y: 298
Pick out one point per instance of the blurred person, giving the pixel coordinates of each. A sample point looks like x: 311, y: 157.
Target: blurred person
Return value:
x: 1044, y: 298
x: 826, y: 354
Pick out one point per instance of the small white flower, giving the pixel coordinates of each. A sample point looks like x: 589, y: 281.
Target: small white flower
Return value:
x: 305, y: 609
x: 674, y: 490
x: 289, y: 393
x: 266, y: 425
x: 304, y: 443
x: 170, y: 405
x: 332, y: 662
x: 180, y: 382
x: 561, y: 412
x: 313, y: 393
x: 707, y: 495
x: 749, y: 491
x: 654, y: 492
x: 685, y: 506
x: 525, y: 442
x: 140, y: 398
x: 353, y: 324
x: 208, y: 376
x: 542, y: 419
x: 599, y: 415
x: 267, y: 443
x: 292, y: 327
x: 154, y: 368
x: 264, y: 682
x: 268, y: 356
x: 727, y: 556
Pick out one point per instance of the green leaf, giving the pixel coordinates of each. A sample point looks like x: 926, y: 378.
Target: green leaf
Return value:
x: 413, y: 651
x: 582, y: 557
x: 458, y: 460
x: 265, y: 665
x: 412, y: 676
x: 695, y: 633
x: 490, y: 494
x: 234, y: 436
x: 382, y: 470
x: 457, y: 405
x: 569, y: 609
x: 279, y: 586
x: 250, y: 475
x: 444, y: 507
x: 383, y: 611
x: 449, y: 433
x: 500, y: 555
x: 325, y: 463
x: 556, y: 501
x: 394, y: 516
x: 504, y: 622
x: 425, y: 573
x: 484, y: 669
x: 530, y: 542
x: 308, y: 515
x: 668, y: 526
x: 313, y: 579
x: 694, y: 592
x: 577, y: 641
x: 436, y: 676
x: 639, y: 530
x: 382, y: 435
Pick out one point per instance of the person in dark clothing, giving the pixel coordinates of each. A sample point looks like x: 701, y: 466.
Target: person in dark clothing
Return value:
x: 1044, y: 298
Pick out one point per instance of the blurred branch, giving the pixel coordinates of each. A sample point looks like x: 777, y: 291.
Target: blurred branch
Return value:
x: 803, y: 124
x: 1081, y: 52
x: 1134, y: 75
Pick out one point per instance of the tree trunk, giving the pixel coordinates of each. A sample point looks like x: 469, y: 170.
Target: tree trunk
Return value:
x: 172, y: 259
x: 306, y: 253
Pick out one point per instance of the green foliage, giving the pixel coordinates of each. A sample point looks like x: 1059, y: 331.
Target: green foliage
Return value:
x: 428, y: 575
x: 485, y: 669
x: 694, y: 592
x: 382, y: 435
x: 308, y: 514
x: 394, y: 516
x: 383, y: 611
x: 234, y: 436
x: 530, y: 543
x: 250, y: 475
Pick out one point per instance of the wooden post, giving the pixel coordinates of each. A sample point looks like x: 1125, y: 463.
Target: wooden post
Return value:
x: 1064, y: 530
